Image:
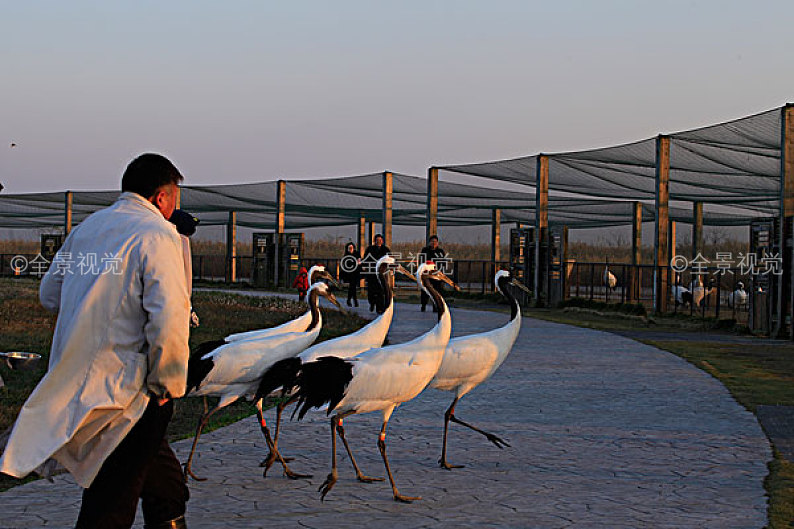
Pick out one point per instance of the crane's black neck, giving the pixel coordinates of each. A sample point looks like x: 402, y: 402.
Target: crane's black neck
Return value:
x: 314, y: 307
x: 503, y: 283
x: 437, y: 299
x: 384, y: 280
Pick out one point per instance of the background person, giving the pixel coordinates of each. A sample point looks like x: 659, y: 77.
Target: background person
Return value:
x: 350, y: 272
x: 119, y: 355
x: 431, y: 252
x: 375, y: 292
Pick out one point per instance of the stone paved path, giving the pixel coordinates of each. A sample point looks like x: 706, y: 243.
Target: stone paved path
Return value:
x: 605, y: 433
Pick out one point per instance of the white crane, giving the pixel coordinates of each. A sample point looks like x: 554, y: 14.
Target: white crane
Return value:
x: 471, y: 360
x: 316, y: 273
x: 234, y: 370
x: 737, y: 298
x: 699, y: 293
x: 283, y: 374
x: 610, y: 281
x: 377, y: 380
x: 681, y: 294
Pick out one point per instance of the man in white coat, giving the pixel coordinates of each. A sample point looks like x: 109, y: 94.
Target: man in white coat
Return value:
x: 119, y: 355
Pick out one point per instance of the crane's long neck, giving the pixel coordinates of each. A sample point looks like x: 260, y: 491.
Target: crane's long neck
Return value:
x: 314, y: 307
x: 514, y: 325
x: 441, y: 306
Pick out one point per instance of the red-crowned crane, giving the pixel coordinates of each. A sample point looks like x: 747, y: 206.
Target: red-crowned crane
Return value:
x: 299, y: 324
x: 234, y: 370
x: 377, y: 380
x: 610, y: 281
x: 737, y: 298
x: 283, y: 374
x: 471, y: 360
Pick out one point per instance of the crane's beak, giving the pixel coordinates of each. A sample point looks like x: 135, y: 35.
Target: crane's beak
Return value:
x: 516, y: 283
x: 324, y: 274
x: 400, y: 269
x: 330, y: 297
x: 440, y: 276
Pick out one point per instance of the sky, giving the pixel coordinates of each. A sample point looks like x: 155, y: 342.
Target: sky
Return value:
x: 245, y: 91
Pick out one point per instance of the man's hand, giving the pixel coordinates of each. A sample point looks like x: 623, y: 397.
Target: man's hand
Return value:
x: 162, y: 400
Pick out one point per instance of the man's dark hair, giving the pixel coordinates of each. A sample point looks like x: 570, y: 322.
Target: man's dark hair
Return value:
x: 378, y: 235
x: 433, y: 238
x: 149, y: 172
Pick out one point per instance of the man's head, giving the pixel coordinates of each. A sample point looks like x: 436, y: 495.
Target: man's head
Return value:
x: 156, y: 179
x: 378, y: 239
x: 433, y: 241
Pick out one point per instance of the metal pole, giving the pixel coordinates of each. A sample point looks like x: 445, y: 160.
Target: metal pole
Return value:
x: 231, y: 247
x: 388, y: 188
x: 541, y: 217
x: 67, y: 212
x: 660, y: 267
x: 431, y: 226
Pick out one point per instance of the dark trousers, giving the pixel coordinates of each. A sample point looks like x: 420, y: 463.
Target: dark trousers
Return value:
x: 425, y: 298
x: 375, y: 294
x: 352, y: 291
x: 142, y: 466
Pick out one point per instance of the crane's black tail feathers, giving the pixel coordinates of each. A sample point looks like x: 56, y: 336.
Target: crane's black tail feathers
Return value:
x: 283, y: 374
x: 197, y: 368
x: 322, y: 381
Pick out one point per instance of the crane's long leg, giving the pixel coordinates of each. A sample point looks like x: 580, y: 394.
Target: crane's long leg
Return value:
x: 447, y: 414
x: 361, y: 477
x: 273, y: 449
x: 200, y: 426
x: 500, y: 443
x: 271, y: 457
x: 382, y: 447
x: 330, y: 480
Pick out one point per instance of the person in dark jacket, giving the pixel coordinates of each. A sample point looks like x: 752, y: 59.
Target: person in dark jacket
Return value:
x: 350, y: 272
x: 375, y: 293
x: 431, y: 252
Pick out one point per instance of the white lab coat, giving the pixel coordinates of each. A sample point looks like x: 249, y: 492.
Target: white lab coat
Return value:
x: 119, y: 339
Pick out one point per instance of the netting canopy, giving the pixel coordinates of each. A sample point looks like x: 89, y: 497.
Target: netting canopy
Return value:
x: 737, y: 162
x: 343, y: 201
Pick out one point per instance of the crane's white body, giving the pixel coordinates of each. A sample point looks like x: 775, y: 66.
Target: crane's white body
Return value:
x: 678, y: 293
x: 299, y: 324
x: 610, y: 281
x: 385, y: 377
x: 470, y: 360
x: 371, y: 335
x: 738, y: 297
x: 239, y: 366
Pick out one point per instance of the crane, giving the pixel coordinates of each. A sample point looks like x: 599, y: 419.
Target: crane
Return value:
x: 470, y: 360
x: 284, y: 373
x: 233, y: 370
x: 377, y: 380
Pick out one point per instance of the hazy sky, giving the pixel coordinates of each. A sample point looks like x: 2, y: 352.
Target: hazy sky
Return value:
x: 247, y: 91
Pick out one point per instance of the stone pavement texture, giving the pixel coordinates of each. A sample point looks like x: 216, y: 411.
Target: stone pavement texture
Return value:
x: 605, y: 432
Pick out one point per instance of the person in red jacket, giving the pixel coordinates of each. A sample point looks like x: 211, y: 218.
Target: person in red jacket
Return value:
x: 301, y: 283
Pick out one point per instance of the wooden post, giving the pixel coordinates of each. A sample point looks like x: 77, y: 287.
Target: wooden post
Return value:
x: 362, y: 234
x: 231, y: 248
x: 697, y: 228
x: 281, y: 207
x: 67, y: 212
x: 785, y: 297
x: 671, y: 247
x: 636, y: 252
x: 388, y: 188
x: 541, y: 219
x: 496, y: 237
x: 431, y: 226
x: 660, y: 267
x: 371, y: 234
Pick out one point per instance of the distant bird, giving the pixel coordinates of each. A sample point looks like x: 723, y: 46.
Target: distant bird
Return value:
x: 234, y: 370
x: 378, y: 379
x: 699, y: 293
x: 737, y: 298
x: 471, y: 360
x: 284, y: 373
x: 13, y: 145
x: 610, y: 281
x: 316, y: 273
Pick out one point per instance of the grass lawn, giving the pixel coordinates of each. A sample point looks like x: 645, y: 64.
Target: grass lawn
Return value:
x: 28, y: 327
